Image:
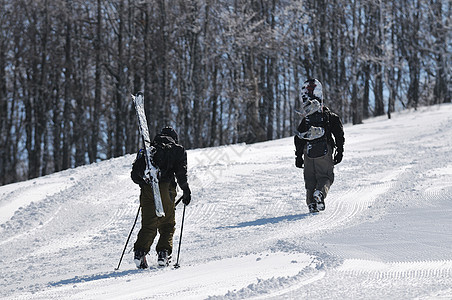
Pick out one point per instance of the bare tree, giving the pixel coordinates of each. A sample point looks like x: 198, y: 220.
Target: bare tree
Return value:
x: 219, y: 71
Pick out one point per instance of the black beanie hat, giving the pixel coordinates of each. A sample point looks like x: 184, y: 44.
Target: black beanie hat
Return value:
x: 169, y: 131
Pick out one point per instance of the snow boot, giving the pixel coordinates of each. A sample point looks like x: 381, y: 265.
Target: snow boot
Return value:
x: 313, y: 208
x: 163, y: 258
x: 318, y: 197
x: 140, y: 259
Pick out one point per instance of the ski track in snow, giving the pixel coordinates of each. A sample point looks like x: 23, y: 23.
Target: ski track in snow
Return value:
x: 385, y: 233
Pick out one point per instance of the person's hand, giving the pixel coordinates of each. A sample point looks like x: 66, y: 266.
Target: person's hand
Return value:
x: 338, y: 156
x: 299, y: 162
x: 186, y: 198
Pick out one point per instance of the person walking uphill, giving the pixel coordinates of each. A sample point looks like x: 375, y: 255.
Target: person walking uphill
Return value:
x: 319, y: 135
x: 171, y: 159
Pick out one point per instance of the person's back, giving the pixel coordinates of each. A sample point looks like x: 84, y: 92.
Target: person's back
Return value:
x: 170, y: 158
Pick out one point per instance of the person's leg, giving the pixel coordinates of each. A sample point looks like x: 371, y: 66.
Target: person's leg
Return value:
x: 324, y: 173
x: 167, y: 224
x: 309, y: 180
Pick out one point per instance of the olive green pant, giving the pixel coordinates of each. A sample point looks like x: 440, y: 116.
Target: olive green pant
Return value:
x: 318, y: 174
x: 151, y: 224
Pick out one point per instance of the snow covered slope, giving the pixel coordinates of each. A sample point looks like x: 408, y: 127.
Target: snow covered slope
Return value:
x: 385, y: 233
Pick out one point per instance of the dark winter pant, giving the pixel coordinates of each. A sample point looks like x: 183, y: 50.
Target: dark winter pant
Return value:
x: 151, y: 224
x: 318, y: 174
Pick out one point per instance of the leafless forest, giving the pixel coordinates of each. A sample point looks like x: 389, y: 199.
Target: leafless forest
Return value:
x: 219, y: 71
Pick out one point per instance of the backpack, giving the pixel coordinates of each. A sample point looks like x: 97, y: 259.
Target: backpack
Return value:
x: 138, y: 167
x: 163, y: 145
x: 160, y: 159
x: 318, y: 147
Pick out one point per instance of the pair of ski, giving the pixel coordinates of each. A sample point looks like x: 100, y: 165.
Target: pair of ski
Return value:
x: 151, y: 173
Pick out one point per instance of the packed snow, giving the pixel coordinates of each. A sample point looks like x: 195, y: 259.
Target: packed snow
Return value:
x: 385, y: 234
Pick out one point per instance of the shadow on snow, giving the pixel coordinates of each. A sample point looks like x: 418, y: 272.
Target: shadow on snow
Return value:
x: 265, y: 221
x: 94, y: 277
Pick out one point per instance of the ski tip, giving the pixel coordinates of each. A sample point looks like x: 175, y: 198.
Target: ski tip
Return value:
x: 137, y: 95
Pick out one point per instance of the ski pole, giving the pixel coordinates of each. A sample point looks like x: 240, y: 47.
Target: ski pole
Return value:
x: 176, y: 266
x: 125, y: 247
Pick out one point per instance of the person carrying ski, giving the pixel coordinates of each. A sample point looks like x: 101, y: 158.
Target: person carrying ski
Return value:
x: 171, y: 159
x: 319, y: 144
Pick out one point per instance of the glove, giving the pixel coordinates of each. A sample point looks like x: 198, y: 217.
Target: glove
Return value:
x: 299, y: 162
x: 186, y: 198
x: 338, y: 156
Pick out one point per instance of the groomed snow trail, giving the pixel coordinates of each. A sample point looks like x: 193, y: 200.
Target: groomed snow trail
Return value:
x: 385, y: 233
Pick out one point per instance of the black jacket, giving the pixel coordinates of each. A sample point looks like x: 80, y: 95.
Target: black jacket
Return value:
x: 334, y: 132
x: 170, y: 158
